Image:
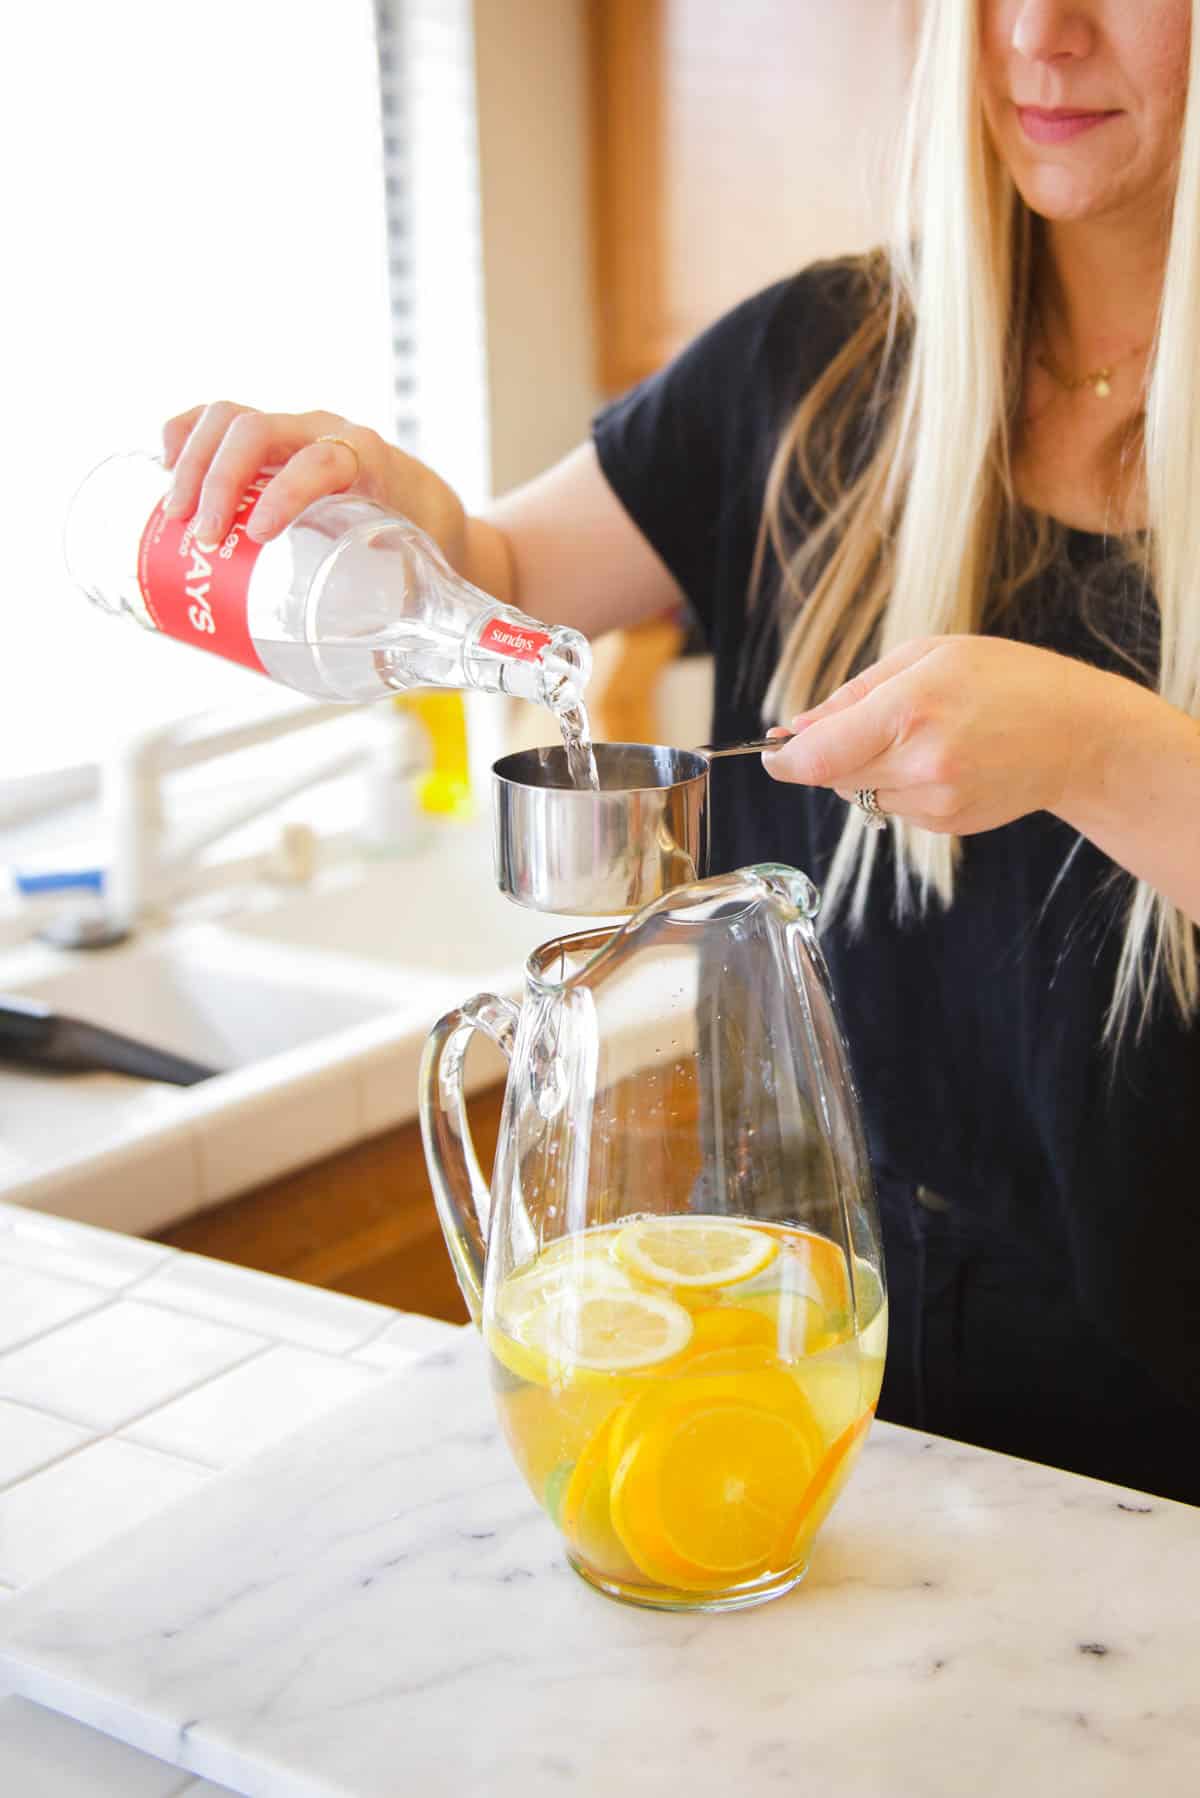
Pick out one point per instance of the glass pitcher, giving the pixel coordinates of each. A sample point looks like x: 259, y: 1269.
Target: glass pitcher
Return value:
x: 677, y: 1270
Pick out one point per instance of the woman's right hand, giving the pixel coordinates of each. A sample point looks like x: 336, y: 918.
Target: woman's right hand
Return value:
x: 216, y: 451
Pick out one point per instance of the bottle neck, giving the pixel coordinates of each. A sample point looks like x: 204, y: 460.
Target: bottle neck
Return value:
x: 511, y: 653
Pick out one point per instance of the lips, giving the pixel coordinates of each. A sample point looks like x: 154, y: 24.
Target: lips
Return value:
x: 1060, y: 124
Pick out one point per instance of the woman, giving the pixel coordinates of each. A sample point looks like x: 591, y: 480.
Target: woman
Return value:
x: 939, y: 510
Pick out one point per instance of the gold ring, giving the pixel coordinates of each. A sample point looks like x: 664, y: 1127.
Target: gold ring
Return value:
x: 346, y: 444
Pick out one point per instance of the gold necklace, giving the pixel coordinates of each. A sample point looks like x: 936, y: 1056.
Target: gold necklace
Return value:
x: 1099, y: 380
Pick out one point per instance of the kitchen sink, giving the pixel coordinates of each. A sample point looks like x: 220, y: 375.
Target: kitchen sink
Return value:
x: 209, y: 997
x: 315, y: 1006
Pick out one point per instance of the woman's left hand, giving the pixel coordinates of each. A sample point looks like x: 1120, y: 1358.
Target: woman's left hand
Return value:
x: 958, y: 734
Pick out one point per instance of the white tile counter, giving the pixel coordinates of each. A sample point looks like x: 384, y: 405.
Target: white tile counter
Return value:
x: 131, y: 1374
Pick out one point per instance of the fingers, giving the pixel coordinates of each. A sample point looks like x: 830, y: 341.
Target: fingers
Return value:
x: 199, y: 434
x: 175, y: 434
x: 837, y: 747
x: 866, y: 682
x: 314, y: 471
x: 251, y: 442
x: 225, y: 446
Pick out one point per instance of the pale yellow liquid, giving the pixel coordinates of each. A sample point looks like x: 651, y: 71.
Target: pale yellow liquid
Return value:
x: 701, y: 1478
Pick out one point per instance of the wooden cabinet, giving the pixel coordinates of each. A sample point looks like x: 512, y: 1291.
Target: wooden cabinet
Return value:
x: 731, y: 143
x: 362, y: 1222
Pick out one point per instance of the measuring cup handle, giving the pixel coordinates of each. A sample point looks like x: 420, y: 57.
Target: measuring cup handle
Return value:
x: 460, y: 1191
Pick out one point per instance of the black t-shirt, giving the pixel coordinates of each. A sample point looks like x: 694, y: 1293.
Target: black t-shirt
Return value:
x: 975, y: 1032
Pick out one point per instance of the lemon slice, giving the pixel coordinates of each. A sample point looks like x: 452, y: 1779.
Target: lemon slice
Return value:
x: 694, y: 1251
x: 609, y: 1331
x: 586, y: 1268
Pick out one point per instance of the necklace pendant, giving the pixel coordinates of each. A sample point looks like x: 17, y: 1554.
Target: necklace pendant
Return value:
x: 1101, y: 386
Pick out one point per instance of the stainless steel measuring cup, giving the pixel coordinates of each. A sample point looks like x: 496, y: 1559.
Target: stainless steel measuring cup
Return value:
x: 563, y: 848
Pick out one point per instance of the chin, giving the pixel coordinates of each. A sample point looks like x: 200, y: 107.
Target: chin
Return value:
x: 1062, y: 196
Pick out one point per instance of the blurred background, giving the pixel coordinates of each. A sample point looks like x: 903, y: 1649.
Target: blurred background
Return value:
x: 464, y: 223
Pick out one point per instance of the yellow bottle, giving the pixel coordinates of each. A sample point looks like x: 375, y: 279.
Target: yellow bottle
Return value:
x: 446, y: 788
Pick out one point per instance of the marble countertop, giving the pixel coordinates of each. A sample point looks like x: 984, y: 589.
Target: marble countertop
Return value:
x: 130, y: 1375
x: 373, y: 1605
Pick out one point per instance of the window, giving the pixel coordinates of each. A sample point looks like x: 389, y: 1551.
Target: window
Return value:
x: 197, y: 208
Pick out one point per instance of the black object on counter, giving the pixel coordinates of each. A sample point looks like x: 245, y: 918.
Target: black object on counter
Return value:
x: 33, y: 1036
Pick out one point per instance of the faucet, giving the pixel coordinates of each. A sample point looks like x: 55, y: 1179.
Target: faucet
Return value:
x: 149, y: 866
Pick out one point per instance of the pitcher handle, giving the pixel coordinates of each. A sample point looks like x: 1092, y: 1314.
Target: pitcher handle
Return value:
x: 460, y: 1191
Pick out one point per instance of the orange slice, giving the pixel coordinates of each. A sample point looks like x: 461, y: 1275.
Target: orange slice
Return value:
x: 747, y: 1374
x: 827, y: 1483
x: 729, y: 1326
x: 709, y: 1496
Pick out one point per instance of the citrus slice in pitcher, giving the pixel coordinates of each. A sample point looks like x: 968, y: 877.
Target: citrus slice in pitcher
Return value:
x: 605, y: 1330
x: 729, y: 1326
x: 564, y: 1331
x: 517, y: 1338
x: 711, y: 1492
x: 796, y: 1323
x: 827, y: 1484
x: 696, y: 1252
x: 588, y: 1269
x: 584, y: 1514
x: 747, y: 1375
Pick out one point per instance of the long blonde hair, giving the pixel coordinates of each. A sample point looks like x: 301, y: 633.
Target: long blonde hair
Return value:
x: 910, y: 537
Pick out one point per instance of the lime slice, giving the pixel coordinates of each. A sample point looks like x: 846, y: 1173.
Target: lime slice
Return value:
x: 694, y: 1251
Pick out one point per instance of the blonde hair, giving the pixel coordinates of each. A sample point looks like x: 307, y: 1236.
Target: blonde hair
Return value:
x: 910, y: 538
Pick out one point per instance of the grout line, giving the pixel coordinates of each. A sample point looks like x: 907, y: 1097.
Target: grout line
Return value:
x: 129, y: 1423
x: 148, y: 1273
x: 111, y: 1431
x: 64, y: 1455
x: 43, y: 1273
x: 94, y: 1281
x: 93, y: 1441
x: 279, y: 1340
x: 381, y: 1331
x: 174, y: 1454
x: 63, y: 1323
x: 33, y: 1404
x: 168, y: 1454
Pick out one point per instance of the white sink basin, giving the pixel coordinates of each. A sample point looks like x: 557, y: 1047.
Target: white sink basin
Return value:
x: 203, y: 996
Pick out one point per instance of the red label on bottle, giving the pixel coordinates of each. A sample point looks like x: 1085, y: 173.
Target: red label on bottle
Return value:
x: 197, y: 595
x: 513, y: 640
